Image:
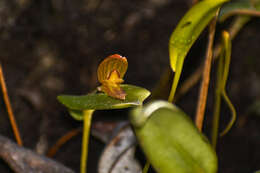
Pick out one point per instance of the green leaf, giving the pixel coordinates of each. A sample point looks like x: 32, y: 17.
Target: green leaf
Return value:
x: 101, y: 101
x: 189, y: 28
x: 76, y: 114
x: 257, y: 171
x: 232, y: 7
x: 170, y: 140
x: 187, y: 31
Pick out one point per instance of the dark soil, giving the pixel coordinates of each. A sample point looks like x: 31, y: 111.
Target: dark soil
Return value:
x: 52, y: 47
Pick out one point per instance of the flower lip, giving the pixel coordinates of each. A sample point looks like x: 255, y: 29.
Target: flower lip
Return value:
x: 110, y: 74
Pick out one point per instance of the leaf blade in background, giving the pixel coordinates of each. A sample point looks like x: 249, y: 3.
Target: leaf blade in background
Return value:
x: 232, y: 7
x: 171, y: 141
x: 101, y: 101
x: 187, y: 32
x: 76, y: 114
x: 190, y: 27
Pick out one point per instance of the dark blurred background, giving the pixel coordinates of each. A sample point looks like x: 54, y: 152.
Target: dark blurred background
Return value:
x: 52, y: 47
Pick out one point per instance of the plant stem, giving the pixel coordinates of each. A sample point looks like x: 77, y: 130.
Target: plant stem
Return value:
x: 222, y: 76
x: 9, y: 108
x: 146, y: 167
x: 175, y: 83
x: 85, y: 140
x: 216, y: 115
x: 61, y: 141
x: 233, y: 112
x: 217, y: 104
x: 206, y: 77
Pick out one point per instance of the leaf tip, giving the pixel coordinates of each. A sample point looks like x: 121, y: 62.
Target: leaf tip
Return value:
x: 59, y: 98
x: 173, y: 57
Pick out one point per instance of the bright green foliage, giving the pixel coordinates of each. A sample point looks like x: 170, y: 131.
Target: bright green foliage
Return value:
x: 170, y: 140
x: 187, y: 31
x: 229, y: 8
x: 101, y: 101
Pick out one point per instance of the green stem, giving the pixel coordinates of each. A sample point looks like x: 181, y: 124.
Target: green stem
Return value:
x: 85, y: 140
x: 176, y: 80
x: 216, y: 115
x: 146, y: 167
x: 222, y: 76
x: 217, y: 104
x: 233, y: 112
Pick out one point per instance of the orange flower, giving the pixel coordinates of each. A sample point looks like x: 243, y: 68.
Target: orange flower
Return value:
x: 110, y: 74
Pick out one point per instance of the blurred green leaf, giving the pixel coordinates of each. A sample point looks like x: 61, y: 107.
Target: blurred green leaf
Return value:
x: 187, y: 32
x: 232, y: 7
x: 170, y: 140
x: 76, y: 114
x: 101, y: 101
x: 257, y: 171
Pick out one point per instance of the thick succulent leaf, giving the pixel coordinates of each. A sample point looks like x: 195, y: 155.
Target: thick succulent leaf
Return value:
x: 101, y: 101
x: 170, y: 140
x: 186, y: 33
x: 229, y: 8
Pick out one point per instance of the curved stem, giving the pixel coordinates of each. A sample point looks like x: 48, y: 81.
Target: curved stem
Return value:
x: 233, y: 111
x: 61, y: 141
x: 9, y: 109
x: 222, y: 76
x: 246, y: 12
x: 85, y: 140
